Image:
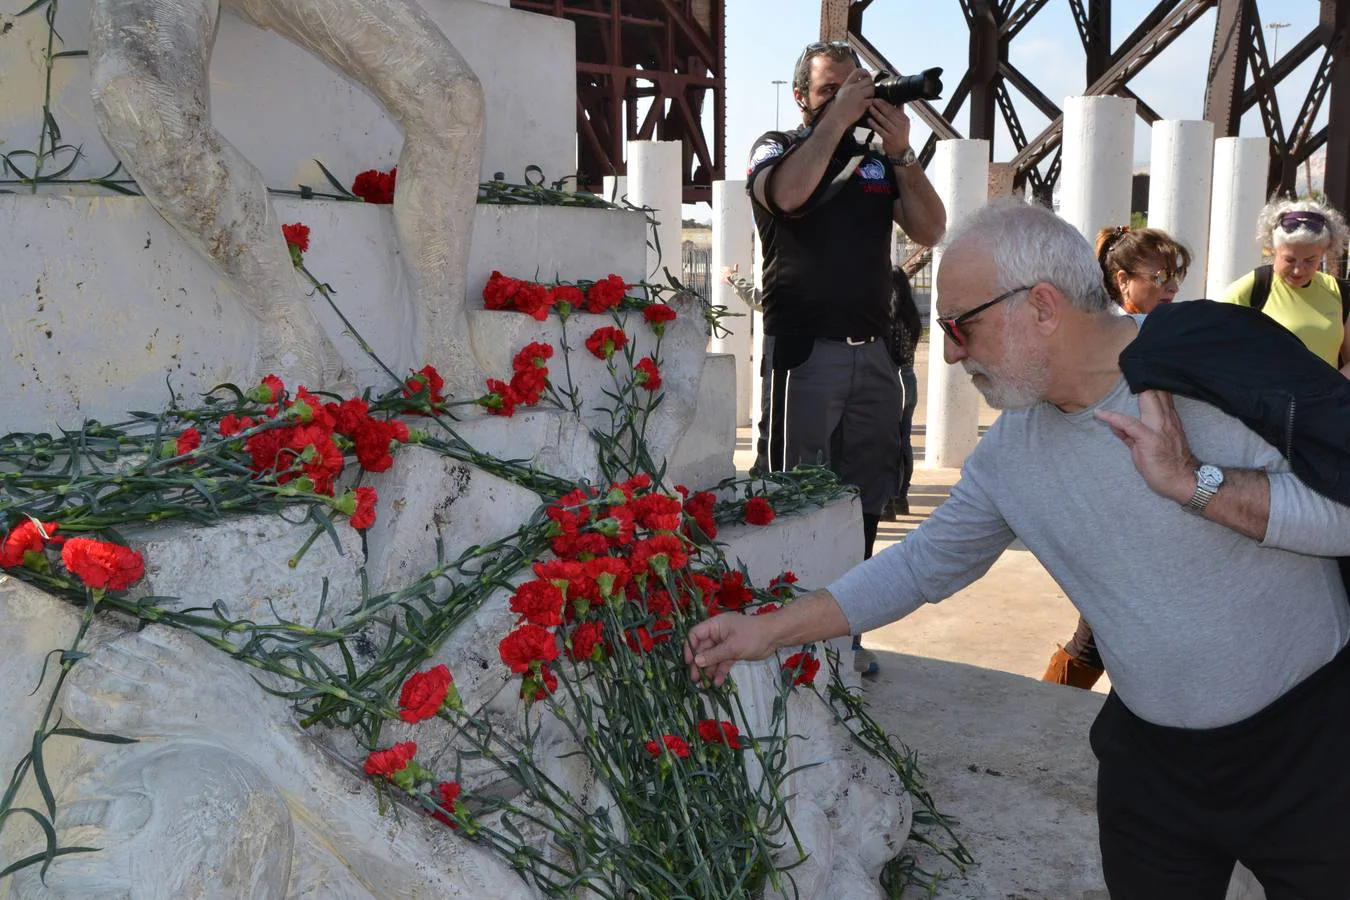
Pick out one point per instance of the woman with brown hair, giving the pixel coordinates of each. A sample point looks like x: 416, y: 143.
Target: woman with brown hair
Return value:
x: 1142, y: 268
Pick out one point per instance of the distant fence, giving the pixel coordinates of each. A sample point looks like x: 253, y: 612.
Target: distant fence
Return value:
x: 696, y: 270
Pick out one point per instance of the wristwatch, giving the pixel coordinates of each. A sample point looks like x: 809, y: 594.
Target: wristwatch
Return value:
x: 1208, y: 480
x: 908, y: 158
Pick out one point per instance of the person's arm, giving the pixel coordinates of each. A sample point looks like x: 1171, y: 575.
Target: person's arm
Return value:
x: 788, y: 184
x: 955, y: 546
x: 917, y: 209
x: 1274, y: 508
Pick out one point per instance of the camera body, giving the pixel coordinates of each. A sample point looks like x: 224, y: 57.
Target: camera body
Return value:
x: 900, y: 89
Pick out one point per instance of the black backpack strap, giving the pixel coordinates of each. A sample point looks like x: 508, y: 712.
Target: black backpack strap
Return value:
x: 1261, y: 286
x: 1343, y: 285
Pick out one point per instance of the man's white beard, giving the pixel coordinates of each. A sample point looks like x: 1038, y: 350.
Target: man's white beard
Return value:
x: 1020, y: 381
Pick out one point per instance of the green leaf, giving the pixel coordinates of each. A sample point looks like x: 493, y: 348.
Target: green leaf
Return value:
x: 40, y: 772
x: 29, y: 860
x: 35, y: 5
x: 332, y: 179
x: 67, y: 54
x: 94, y: 736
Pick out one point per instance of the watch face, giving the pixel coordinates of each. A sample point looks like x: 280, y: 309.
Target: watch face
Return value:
x: 1210, y: 476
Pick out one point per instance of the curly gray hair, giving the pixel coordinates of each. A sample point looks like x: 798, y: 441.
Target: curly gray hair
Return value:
x: 1303, y: 221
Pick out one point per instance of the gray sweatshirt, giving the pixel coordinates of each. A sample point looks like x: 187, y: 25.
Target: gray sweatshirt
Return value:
x: 1198, y: 625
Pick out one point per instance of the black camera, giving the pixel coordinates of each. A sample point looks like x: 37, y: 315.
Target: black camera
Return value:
x: 899, y: 89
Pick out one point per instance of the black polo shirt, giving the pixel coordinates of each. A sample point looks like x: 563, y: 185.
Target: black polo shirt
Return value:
x: 827, y: 272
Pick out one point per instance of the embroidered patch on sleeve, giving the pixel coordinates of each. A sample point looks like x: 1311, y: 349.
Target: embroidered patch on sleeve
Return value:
x: 763, y: 153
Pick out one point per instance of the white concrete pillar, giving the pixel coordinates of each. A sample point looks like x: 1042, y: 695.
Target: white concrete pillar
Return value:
x: 757, y: 341
x: 960, y: 173
x: 733, y: 245
x: 1240, y: 167
x: 654, y: 180
x: 1181, y: 163
x: 1098, y: 162
x: 614, y: 188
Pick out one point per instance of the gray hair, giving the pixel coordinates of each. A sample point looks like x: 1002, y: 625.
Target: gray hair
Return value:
x: 1030, y: 244
x: 1271, y: 235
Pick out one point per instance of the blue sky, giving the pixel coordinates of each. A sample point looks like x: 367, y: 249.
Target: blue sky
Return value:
x: 764, y: 38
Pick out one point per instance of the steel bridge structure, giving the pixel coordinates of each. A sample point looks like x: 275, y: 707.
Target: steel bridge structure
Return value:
x: 652, y: 69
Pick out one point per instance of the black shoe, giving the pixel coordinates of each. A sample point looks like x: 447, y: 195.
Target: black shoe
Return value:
x: 888, y: 513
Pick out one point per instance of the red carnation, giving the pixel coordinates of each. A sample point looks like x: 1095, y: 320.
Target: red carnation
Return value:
x: 388, y: 763
x: 28, y: 537
x: 808, y: 664
x: 676, y: 746
x: 647, y: 375
x: 700, y: 508
x: 273, y: 387
x: 605, y: 342
x: 733, y: 593
x: 758, y: 511
x: 500, y: 291
x: 103, y: 565
x: 712, y: 731
x: 587, y: 641
x: 424, y: 693
x: 364, y: 515
x: 657, y: 315
x: 231, y: 425
x: 188, y: 441
x: 297, y: 242
x: 448, y: 791
x: 374, y: 186
x: 527, y: 646
x: 528, y: 384
x: 500, y: 400
x: 426, y: 383
x: 605, y: 295
x: 538, y: 688
x: 765, y: 608
x: 567, y: 297
x: 782, y: 585
x: 538, y: 602
x: 532, y: 355
x: 662, y: 553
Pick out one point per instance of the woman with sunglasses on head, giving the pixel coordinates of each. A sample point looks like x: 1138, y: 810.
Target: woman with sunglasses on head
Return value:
x: 1299, y: 235
x: 1141, y: 268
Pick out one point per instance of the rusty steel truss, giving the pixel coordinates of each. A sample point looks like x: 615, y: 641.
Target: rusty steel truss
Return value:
x: 1240, y: 76
x: 647, y: 70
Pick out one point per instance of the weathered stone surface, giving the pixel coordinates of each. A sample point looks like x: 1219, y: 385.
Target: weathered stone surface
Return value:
x: 703, y: 455
x: 427, y: 498
x: 247, y: 803
x: 550, y: 440
x: 244, y: 564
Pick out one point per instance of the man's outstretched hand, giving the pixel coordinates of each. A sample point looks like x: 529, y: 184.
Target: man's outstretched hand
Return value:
x: 717, y: 644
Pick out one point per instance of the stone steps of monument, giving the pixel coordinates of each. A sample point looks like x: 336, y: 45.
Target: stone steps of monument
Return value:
x: 104, y: 284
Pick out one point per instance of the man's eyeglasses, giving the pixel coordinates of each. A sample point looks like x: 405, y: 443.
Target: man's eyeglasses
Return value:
x: 951, y: 325
x: 1293, y: 221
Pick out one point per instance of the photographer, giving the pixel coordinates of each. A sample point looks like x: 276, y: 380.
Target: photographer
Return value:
x: 824, y: 205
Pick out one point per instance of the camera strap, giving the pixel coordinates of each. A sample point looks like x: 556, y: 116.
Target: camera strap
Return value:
x: 837, y: 183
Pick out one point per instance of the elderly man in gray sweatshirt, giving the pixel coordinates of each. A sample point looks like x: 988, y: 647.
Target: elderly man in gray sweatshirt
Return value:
x: 1203, y: 565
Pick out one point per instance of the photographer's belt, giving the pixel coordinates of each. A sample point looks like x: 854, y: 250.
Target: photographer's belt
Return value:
x: 851, y: 341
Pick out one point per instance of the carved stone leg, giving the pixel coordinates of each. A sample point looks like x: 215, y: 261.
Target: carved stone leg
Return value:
x: 149, y: 68
x: 396, y: 51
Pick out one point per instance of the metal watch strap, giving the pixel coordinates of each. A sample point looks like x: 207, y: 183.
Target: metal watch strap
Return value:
x: 1203, y: 494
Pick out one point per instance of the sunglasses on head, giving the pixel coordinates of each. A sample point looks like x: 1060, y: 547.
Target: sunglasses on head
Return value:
x: 951, y: 325
x: 821, y: 46
x: 1293, y: 221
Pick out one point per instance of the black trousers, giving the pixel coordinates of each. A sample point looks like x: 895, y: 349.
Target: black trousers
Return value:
x: 1177, y: 807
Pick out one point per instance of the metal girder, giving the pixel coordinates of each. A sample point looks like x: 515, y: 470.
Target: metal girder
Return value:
x: 668, y: 54
x: 1335, y: 23
x: 1116, y: 77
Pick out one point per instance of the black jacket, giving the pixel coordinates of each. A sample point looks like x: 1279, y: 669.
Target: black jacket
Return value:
x: 1249, y: 366
x: 1252, y: 368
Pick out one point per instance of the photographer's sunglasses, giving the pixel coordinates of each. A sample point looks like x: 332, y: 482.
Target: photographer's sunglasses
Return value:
x: 951, y: 325
x: 820, y: 46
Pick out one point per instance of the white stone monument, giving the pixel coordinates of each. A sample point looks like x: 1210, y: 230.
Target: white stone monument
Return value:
x: 1098, y: 159
x: 123, y: 303
x: 1180, y: 168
